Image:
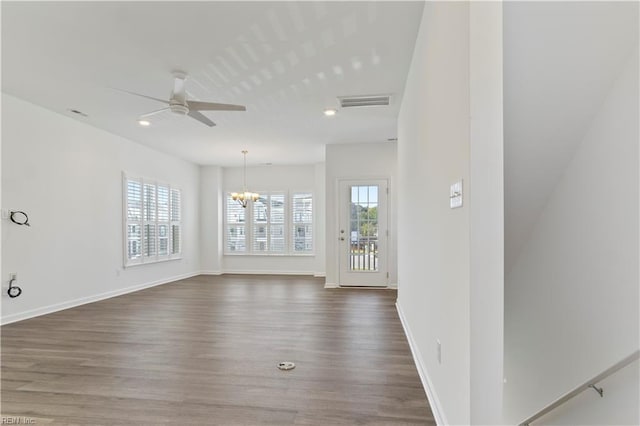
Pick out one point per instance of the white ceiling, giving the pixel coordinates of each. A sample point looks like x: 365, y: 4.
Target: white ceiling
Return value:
x: 560, y: 60
x: 286, y: 61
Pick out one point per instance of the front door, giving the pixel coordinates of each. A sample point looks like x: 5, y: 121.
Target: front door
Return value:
x: 363, y: 233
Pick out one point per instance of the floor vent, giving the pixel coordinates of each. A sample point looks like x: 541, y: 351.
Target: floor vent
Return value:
x: 364, y: 101
x: 286, y: 365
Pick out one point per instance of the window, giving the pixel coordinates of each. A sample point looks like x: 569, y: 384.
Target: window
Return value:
x: 235, y: 227
x: 152, y: 221
x: 273, y: 224
x: 302, y: 220
x: 268, y: 224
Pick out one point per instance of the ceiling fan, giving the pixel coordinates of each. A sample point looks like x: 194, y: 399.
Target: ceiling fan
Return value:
x: 178, y: 103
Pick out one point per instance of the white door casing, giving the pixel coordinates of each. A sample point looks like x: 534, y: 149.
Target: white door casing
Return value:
x: 363, y: 233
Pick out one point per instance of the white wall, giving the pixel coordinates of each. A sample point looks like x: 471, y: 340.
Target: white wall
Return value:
x: 67, y: 176
x: 263, y: 179
x: 211, y: 219
x: 433, y: 240
x: 486, y: 201
x: 358, y: 161
x: 571, y: 298
x: 320, y: 220
x: 560, y: 59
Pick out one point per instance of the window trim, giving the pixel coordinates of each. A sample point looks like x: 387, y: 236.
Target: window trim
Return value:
x: 157, y: 258
x: 288, y: 226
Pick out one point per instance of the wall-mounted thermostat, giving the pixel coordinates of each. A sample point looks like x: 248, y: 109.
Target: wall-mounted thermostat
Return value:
x: 455, y: 195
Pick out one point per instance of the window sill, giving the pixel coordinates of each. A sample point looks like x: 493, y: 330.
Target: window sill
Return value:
x: 271, y: 254
x: 129, y: 265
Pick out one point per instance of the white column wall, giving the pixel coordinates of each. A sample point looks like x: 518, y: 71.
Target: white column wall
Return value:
x: 211, y: 220
x: 486, y: 203
x: 433, y: 240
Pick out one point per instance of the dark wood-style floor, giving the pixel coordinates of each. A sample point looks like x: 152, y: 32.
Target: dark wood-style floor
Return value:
x: 204, y: 351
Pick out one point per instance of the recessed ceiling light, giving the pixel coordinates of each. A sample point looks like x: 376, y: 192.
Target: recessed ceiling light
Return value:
x: 144, y: 123
x: 330, y: 112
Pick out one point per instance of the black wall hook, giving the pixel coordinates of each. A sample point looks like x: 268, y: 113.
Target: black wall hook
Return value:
x: 13, y: 291
x: 19, y: 218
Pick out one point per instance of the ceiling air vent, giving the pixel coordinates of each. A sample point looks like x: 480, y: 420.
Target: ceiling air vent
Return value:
x: 364, y: 101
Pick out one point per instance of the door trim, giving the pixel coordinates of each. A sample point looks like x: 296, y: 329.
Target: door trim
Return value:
x: 337, y: 184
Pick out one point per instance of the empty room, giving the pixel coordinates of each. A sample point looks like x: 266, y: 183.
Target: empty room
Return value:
x: 320, y: 213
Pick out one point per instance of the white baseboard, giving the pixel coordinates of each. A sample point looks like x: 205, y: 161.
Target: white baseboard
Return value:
x: 434, y: 402
x: 319, y: 274
x: 360, y: 287
x: 243, y: 272
x: 393, y: 286
x: 89, y: 299
x: 210, y: 273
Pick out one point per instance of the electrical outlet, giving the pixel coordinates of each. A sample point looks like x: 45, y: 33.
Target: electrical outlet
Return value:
x: 13, y: 276
x: 439, y: 351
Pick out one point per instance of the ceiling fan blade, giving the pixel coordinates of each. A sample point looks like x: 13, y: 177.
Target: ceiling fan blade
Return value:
x: 211, y: 106
x: 149, y: 114
x: 201, y: 118
x: 142, y: 96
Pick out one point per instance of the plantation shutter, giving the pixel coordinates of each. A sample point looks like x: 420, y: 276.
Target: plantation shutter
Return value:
x: 152, y: 221
x: 149, y: 214
x: 235, y: 226
x: 277, y: 242
x: 176, y: 226
x: 133, y: 220
x: 302, y: 220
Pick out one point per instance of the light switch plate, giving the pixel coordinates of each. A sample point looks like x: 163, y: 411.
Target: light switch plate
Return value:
x: 455, y: 195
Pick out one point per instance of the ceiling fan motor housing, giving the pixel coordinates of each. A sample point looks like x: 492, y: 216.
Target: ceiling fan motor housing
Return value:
x: 179, y: 109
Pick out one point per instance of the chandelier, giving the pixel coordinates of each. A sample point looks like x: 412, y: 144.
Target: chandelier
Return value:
x: 244, y: 196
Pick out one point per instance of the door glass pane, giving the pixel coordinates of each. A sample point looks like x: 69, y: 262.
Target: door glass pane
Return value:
x: 363, y: 230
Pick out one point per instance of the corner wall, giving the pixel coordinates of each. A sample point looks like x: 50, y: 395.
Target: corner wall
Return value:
x: 450, y: 261
x: 486, y: 204
x: 433, y: 240
x: 218, y: 181
x: 67, y: 176
x: 211, y: 220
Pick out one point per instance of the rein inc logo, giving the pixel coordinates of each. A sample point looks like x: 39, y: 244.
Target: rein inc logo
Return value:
x: 17, y: 420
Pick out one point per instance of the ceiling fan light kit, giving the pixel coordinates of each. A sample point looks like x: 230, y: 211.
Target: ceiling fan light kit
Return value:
x: 179, y: 105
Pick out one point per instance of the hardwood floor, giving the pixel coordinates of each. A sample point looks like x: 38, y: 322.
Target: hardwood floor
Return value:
x: 204, y: 351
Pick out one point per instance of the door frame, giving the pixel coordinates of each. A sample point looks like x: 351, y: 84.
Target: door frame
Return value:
x: 337, y: 184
